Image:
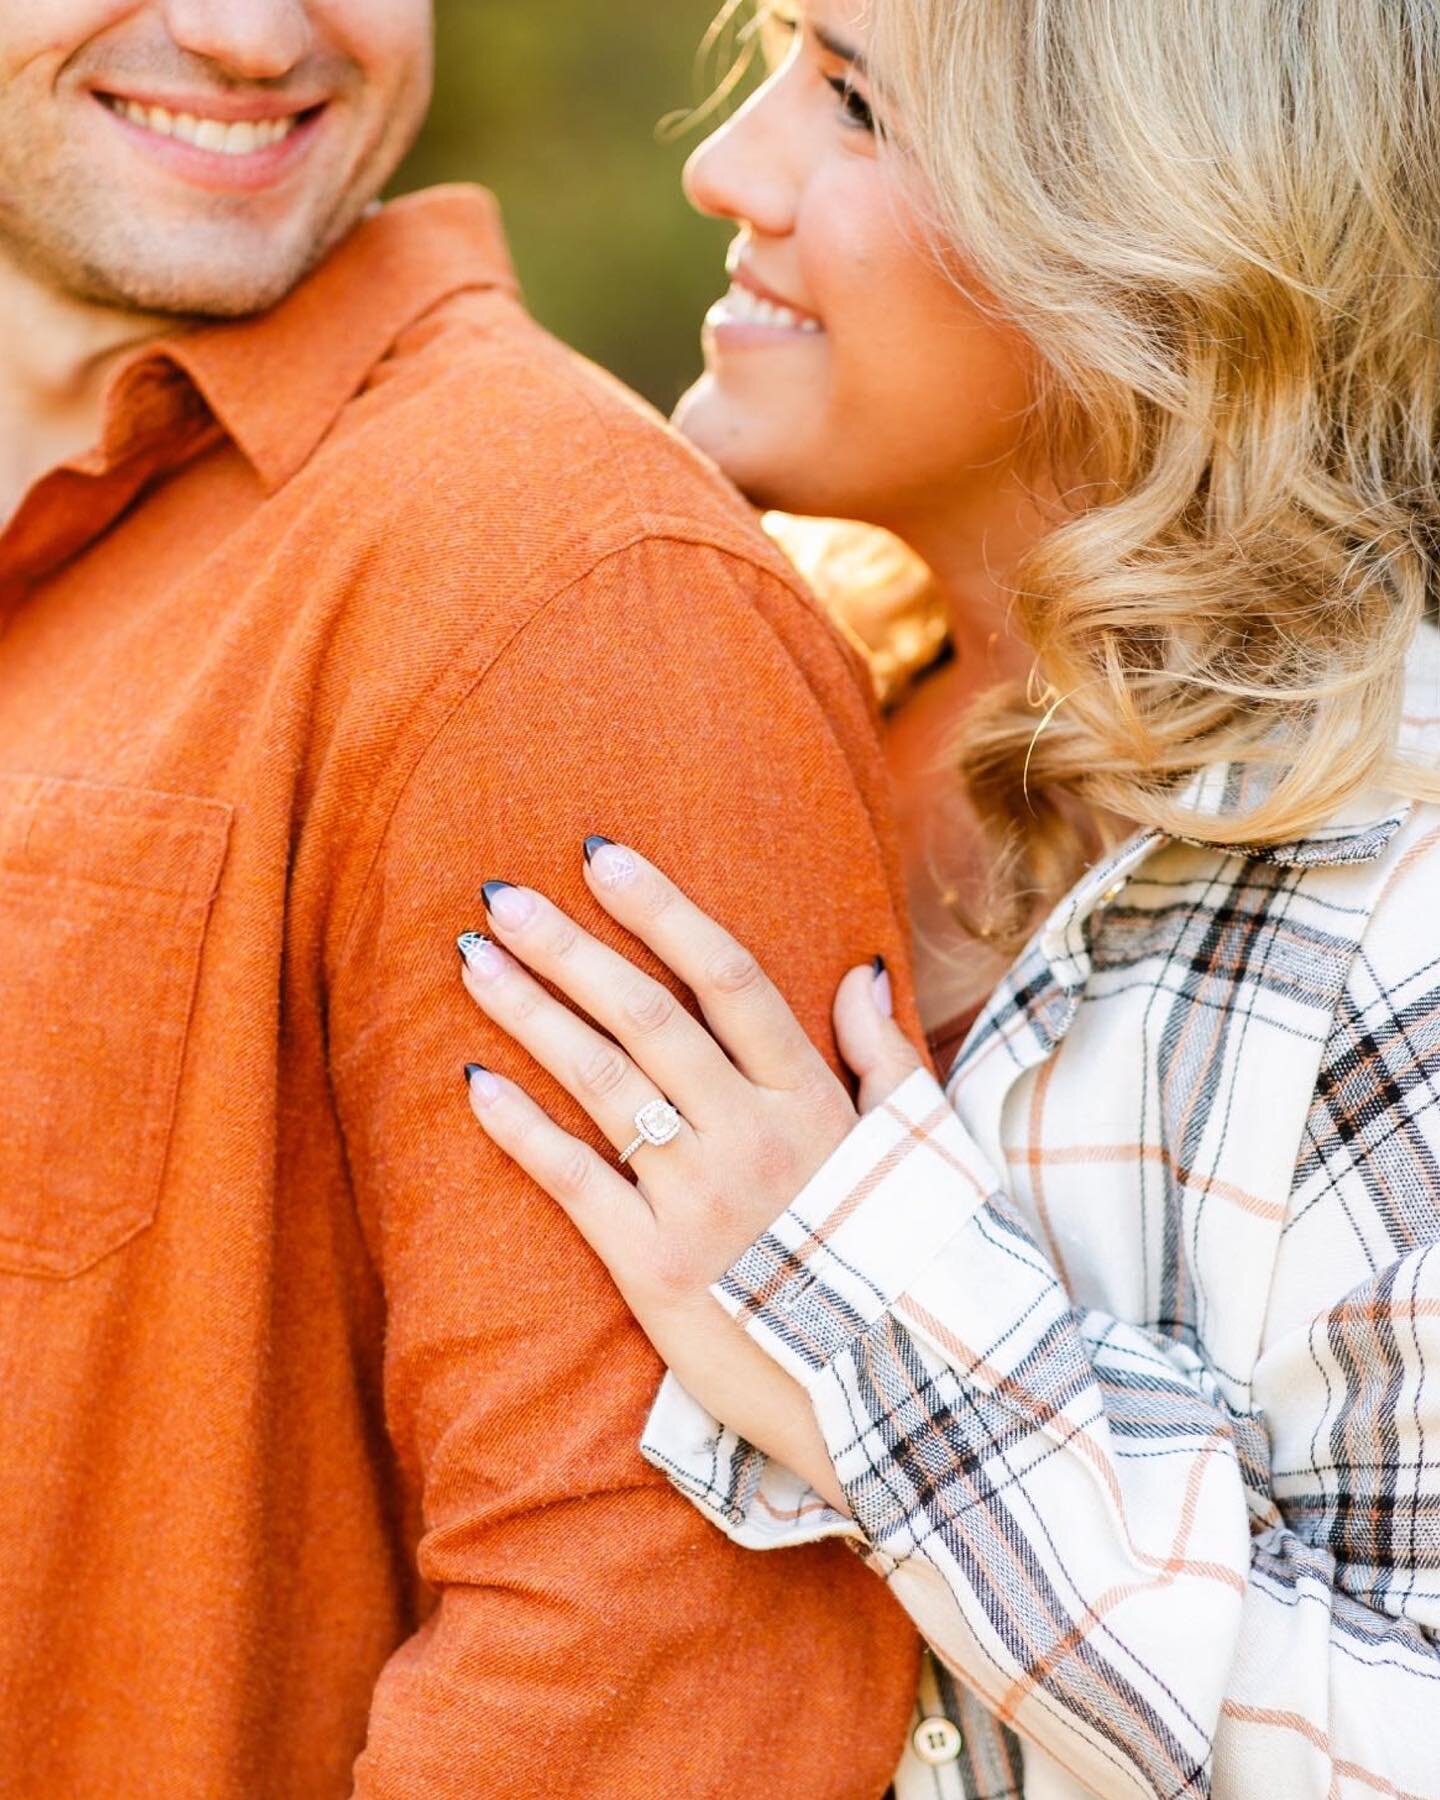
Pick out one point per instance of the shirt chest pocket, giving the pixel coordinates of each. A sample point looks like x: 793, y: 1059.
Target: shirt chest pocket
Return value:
x: 104, y: 897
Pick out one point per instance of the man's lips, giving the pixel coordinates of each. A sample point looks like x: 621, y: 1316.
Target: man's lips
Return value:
x: 229, y: 109
x: 219, y: 140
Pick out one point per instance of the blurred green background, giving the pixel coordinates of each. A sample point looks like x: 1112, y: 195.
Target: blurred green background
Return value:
x: 554, y: 105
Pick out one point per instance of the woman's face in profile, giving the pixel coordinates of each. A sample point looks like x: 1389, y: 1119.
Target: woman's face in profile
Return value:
x: 846, y: 374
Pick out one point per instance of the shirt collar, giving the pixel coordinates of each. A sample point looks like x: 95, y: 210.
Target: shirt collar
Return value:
x: 1360, y: 830
x: 276, y: 383
x: 1358, y: 833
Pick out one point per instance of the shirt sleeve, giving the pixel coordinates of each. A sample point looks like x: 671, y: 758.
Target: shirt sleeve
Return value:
x: 578, y: 1629
x: 1080, y: 1526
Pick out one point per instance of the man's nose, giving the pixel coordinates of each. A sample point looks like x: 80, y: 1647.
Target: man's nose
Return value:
x: 260, y: 40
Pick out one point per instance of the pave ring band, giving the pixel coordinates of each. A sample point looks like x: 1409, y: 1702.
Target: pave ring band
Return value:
x: 657, y: 1123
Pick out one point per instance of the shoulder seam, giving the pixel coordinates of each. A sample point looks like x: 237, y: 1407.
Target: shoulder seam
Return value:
x: 643, y: 535
x: 566, y: 369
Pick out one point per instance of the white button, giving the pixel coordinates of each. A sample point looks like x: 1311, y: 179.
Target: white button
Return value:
x: 937, y: 1740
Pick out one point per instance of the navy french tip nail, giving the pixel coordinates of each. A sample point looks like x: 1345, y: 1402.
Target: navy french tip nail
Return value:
x: 472, y: 1070
x: 883, y: 993
x: 592, y: 844
x: 492, y: 888
x: 469, y: 941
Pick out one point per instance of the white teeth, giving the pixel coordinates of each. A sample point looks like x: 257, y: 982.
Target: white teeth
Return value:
x: 217, y: 135
x: 742, y: 306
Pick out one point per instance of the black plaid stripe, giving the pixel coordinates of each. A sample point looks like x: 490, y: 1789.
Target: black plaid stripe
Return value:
x: 1371, y: 1497
x: 1026, y: 1015
x: 1210, y: 949
x: 992, y: 1764
x: 1036, y: 1623
x: 938, y: 1458
x: 925, y: 1442
x: 1295, y: 1573
x: 1373, y: 1123
x: 816, y: 1320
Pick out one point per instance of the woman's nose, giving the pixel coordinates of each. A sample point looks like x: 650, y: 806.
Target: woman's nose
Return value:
x: 741, y: 172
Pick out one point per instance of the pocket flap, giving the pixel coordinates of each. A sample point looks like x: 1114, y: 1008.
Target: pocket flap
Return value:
x: 130, y: 838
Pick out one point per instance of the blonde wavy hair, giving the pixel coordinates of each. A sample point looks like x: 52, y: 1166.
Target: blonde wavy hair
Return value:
x: 1219, y: 223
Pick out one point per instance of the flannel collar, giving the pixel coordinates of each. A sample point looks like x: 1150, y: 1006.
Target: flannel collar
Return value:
x: 1358, y: 833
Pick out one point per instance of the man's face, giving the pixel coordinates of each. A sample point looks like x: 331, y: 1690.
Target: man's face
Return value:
x: 198, y: 157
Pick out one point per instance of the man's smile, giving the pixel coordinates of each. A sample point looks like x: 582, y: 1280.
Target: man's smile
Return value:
x: 221, y: 141
x: 241, y: 137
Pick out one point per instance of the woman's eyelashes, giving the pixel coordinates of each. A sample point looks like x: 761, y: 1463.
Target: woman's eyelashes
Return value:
x: 853, y: 104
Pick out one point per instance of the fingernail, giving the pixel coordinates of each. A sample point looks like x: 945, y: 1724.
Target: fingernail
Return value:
x: 480, y: 955
x: 481, y: 1083
x: 592, y: 844
x: 884, y: 993
x: 610, y: 864
x: 507, y: 904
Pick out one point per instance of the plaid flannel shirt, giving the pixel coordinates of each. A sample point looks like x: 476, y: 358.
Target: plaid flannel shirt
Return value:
x: 1126, y: 1346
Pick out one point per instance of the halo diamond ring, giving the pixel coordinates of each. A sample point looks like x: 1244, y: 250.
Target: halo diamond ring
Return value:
x: 658, y: 1122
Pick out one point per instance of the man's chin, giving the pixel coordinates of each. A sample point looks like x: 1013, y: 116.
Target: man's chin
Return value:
x: 231, y: 283
x: 190, y: 270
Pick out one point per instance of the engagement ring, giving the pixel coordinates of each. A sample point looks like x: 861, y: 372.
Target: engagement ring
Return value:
x: 658, y: 1123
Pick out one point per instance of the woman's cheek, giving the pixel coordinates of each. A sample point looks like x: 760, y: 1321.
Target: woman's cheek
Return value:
x: 865, y: 270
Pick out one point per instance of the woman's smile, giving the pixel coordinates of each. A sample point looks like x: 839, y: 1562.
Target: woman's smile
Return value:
x: 752, y: 313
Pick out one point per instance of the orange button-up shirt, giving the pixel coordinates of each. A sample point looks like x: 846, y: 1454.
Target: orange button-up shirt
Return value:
x: 319, y: 1466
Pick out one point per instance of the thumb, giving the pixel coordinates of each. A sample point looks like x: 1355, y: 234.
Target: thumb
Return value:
x: 870, y: 1041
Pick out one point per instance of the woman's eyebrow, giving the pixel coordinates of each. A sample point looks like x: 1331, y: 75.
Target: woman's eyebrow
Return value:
x: 838, y: 48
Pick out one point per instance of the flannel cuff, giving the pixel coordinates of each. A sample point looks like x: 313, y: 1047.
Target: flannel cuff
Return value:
x: 867, y: 1225
x: 754, y: 1500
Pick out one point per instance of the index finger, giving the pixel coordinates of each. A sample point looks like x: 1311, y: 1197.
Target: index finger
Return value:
x: 742, y: 1006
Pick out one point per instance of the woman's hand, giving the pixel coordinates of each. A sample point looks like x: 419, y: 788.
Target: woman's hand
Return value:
x: 760, y: 1112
